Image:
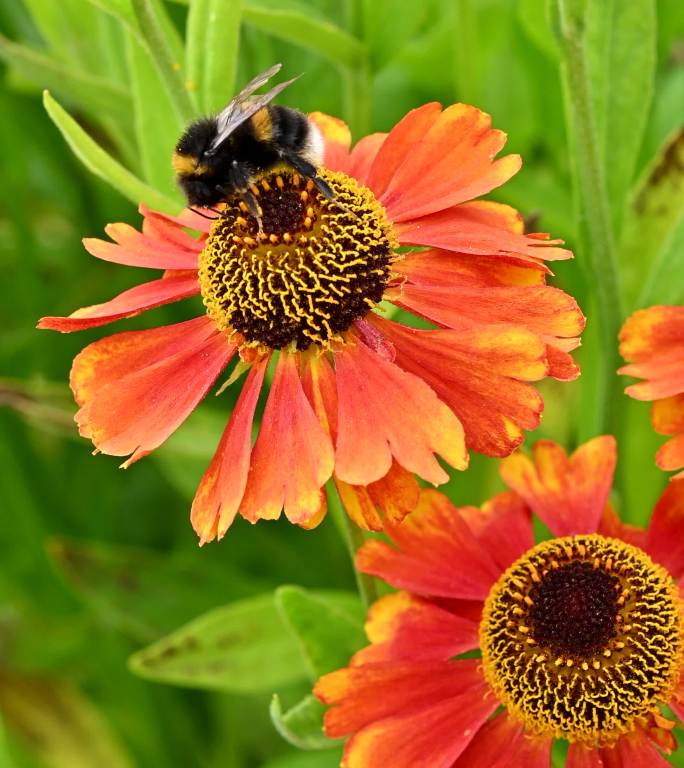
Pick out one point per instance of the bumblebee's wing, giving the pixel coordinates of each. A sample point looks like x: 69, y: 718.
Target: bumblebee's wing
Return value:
x: 243, y: 106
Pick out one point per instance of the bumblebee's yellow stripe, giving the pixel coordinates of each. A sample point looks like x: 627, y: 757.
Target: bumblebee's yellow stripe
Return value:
x: 262, y: 125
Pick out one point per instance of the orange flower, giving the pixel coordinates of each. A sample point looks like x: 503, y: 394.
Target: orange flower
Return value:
x: 652, y: 341
x: 581, y: 636
x: 354, y: 394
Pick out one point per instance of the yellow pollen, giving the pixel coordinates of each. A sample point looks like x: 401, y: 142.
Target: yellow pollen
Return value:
x: 315, y: 267
x: 579, y: 675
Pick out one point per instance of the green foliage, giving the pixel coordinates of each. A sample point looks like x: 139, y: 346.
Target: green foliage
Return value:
x: 124, y: 644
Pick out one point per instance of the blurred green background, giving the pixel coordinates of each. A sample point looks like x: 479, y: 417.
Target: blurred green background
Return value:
x: 97, y: 564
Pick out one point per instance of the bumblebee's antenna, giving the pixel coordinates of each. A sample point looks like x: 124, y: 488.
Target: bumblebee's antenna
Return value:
x: 204, y: 215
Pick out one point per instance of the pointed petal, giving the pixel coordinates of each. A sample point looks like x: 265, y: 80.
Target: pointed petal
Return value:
x: 292, y: 458
x: 127, y: 304
x: 139, y: 250
x: 398, y: 144
x: 478, y: 371
x: 665, y: 542
x: 220, y: 492
x: 385, y: 412
x: 451, y: 163
x: 580, y: 756
x: 437, y: 553
x: 501, y: 743
x: 187, y: 218
x: 337, y: 138
x: 503, y: 526
x: 569, y: 495
x: 481, y: 227
x: 136, y: 388
x: 402, y: 626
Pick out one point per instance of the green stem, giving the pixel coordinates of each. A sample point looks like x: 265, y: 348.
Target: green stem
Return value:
x: 357, y: 82
x: 597, y: 242
x: 353, y: 538
x: 163, y: 56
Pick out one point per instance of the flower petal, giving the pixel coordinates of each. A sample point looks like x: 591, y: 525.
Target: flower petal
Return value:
x: 136, y: 388
x: 580, y: 756
x: 139, y: 250
x: 337, y: 138
x: 437, y: 553
x: 569, y: 495
x: 612, y: 526
x: 292, y: 458
x: 477, y: 372
x: 668, y: 415
x: 396, y: 494
x: 452, y: 162
x: 651, y: 333
x: 186, y: 218
x: 664, y: 536
x: 359, y: 505
x: 503, y: 526
x: 402, y: 626
x: 480, y: 227
x: 671, y: 455
x: 221, y: 489
x: 385, y: 412
x: 363, y: 155
x: 633, y: 751
x: 502, y: 743
x: 127, y: 304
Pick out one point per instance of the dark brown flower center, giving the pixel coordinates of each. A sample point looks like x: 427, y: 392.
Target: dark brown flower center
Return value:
x: 317, y: 266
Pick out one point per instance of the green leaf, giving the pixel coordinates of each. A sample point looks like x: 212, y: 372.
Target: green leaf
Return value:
x: 157, y: 127
x: 302, y: 725
x: 620, y: 43
x: 101, y: 163
x: 90, y: 93
x: 652, y: 252
x: 241, y: 647
x: 304, y: 29
x: 140, y: 592
x: 59, y: 726
x: 120, y: 9
x: 328, y: 625
x: 212, y: 45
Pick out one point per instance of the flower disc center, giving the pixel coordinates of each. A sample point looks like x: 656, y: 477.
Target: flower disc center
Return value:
x: 317, y: 266
x: 581, y: 637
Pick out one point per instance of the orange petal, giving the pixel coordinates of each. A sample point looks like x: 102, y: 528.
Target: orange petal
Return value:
x: 580, y: 756
x: 359, y: 505
x: 667, y: 415
x: 337, y: 138
x: 220, y: 492
x: 477, y: 372
x: 671, y: 455
x: 139, y: 250
x: 363, y: 155
x: 127, y: 304
x: 612, y: 526
x: 502, y: 526
x: 633, y: 751
x: 397, y: 493
x: 652, y: 332
x: 664, y: 536
x: 399, y: 142
x: 292, y: 457
x: 569, y: 495
x: 437, y: 553
x: 318, y: 380
x: 451, y: 163
x: 480, y: 227
x: 403, y: 626
x: 664, y: 376
x: 136, y: 388
x: 187, y: 218
x: 502, y: 743
x: 385, y: 412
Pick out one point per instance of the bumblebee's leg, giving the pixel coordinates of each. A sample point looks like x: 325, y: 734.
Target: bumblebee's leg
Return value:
x: 253, y: 205
x: 308, y: 170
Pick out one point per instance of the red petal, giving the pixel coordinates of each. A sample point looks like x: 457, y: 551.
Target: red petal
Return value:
x: 580, y: 756
x: 186, y: 218
x: 337, y: 137
x: 385, y: 412
x: 363, y: 155
x: 664, y: 536
x: 127, y: 304
x: 452, y: 162
x: 651, y: 333
x: 437, y: 553
x: 633, y: 751
x: 136, y: 388
x: 292, y: 457
x: 138, y: 250
x: 502, y: 526
x: 611, y: 525
x: 402, y: 627
x: 481, y: 227
x: 220, y: 492
x: 501, y: 743
x: 399, y: 142
x: 476, y: 371
x: 569, y: 495
x: 671, y: 455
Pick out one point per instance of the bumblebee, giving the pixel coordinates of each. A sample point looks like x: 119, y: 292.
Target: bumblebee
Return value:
x: 222, y: 155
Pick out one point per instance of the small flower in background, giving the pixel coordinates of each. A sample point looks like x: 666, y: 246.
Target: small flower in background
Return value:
x: 355, y: 394
x: 581, y: 636
x: 652, y: 342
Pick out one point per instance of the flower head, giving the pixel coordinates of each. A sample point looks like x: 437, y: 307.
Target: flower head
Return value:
x: 581, y: 636
x: 652, y: 342
x: 354, y: 394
